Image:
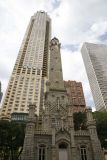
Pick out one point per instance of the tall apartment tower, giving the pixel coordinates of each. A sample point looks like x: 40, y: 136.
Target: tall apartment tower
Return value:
x: 1, y: 94
x: 95, y: 60
x: 76, y: 95
x: 31, y: 68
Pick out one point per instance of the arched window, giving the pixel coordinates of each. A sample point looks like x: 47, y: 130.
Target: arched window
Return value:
x: 83, y: 153
x: 62, y: 145
x: 42, y: 152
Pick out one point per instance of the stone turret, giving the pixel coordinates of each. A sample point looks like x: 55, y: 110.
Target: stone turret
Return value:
x: 55, y: 72
x: 91, y: 124
x: 28, y: 148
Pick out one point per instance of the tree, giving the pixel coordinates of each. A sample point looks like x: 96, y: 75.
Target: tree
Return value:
x: 11, y: 139
x: 101, y: 122
x: 79, y: 120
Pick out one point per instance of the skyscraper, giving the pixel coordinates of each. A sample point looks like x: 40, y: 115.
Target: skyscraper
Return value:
x: 76, y: 95
x: 31, y: 68
x: 95, y: 60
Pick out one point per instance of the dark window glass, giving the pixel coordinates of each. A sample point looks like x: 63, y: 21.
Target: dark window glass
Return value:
x: 42, y: 152
x: 83, y: 153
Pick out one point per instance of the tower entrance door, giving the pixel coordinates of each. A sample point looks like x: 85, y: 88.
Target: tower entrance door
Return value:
x: 63, y: 152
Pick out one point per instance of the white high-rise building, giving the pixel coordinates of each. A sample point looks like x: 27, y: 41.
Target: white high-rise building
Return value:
x: 31, y: 68
x: 95, y: 60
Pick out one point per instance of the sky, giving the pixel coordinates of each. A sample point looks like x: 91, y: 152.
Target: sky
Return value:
x: 73, y: 23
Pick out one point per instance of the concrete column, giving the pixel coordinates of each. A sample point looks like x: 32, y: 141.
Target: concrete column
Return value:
x: 54, y: 153
x: 53, y: 136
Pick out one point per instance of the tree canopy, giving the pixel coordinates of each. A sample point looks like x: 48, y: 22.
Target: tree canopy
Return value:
x: 101, y: 124
x: 79, y: 120
x: 11, y: 139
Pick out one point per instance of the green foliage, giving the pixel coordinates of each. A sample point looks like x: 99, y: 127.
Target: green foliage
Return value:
x: 11, y: 139
x: 79, y: 120
x: 101, y: 122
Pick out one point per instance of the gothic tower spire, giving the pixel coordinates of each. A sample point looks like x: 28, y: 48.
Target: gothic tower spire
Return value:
x: 55, y: 69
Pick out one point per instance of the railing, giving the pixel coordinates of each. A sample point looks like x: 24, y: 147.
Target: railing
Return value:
x: 81, y: 133
x: 46, y: 132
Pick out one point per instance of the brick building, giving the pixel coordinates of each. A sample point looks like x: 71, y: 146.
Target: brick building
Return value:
x: 76, y: 95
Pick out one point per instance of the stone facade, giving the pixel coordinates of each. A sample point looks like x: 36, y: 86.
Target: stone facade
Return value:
x: 51, y: 135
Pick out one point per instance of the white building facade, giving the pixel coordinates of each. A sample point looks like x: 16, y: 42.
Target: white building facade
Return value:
x: 95, y: 60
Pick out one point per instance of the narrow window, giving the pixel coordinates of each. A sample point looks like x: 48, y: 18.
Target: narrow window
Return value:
x: 83, y: 153
x: 38, y: 71
x: 42, y: 152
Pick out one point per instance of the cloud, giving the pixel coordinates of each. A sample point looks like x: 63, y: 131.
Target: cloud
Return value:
x: 72, y: 47
x: 56, y: 3
x: 75, y: 21
x: 103, y: 37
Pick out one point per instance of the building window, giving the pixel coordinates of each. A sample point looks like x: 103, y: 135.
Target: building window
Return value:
x: 83, y: 153
x: 38, y: 72
x: 42, y: 152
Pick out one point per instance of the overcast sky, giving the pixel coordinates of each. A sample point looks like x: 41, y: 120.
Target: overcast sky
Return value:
x: 73, y: 22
